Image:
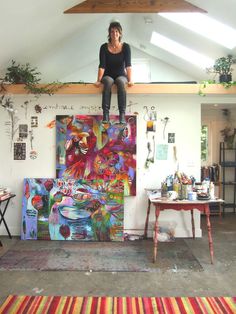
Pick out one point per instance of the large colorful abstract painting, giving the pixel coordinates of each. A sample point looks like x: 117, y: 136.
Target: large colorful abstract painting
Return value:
x: 68, y: 209
x: 88, y: 149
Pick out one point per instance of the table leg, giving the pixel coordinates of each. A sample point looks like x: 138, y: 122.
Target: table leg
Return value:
x: 2, y: 213
x: 193, y: 224
x: 157, y: 213
x: 147, y: 220
x: 207, y: 212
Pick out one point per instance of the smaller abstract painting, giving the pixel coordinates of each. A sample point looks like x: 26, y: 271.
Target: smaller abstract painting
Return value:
x: 60, y: 209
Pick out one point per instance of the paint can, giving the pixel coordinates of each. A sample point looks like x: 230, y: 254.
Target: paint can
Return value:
x: 192, y: 196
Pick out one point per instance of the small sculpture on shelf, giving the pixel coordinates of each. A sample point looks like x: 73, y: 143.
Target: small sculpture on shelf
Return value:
x: 228, y: 134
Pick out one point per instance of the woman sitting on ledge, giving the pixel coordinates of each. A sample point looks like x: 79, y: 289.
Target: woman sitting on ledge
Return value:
x: 114, y: 68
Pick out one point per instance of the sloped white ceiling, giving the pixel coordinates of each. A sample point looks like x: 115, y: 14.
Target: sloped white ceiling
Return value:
x: 61, y: 45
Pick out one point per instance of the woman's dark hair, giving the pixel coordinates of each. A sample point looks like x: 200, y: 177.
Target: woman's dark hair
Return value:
x: 117, y: 26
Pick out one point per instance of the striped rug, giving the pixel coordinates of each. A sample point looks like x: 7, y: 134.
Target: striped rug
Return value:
x: 117, y: 305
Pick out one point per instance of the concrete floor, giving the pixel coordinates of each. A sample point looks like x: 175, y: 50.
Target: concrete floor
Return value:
x: 215, y: 280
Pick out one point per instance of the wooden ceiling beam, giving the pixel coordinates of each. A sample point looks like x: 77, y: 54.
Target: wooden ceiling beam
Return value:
x: 133, y: 6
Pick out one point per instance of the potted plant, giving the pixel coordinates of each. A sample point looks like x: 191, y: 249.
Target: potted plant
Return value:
x: 25, y: 74
x: 21, y: 74
x: 223, y: 67
x: 229, y: 132
x: 228, y: 135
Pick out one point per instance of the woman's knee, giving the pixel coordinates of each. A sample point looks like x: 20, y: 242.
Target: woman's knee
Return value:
x: 107, y: 81
x: 120, y: 82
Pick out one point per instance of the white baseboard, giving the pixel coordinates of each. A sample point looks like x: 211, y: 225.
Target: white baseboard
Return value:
x: 13, y: 230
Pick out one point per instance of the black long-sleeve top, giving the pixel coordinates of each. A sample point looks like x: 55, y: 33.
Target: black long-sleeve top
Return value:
x: 114, y: 64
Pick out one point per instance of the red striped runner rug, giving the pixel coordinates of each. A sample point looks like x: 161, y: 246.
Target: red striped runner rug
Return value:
x: 117, y: 305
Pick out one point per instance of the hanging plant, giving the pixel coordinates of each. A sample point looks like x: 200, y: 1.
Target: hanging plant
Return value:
x: 203, y: 85
x: 30, y: 77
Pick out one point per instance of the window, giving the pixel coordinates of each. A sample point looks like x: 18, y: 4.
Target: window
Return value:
x: 204, y: 143
x: 205, y: 26
x: 181, y: 51
x: 141, y: 71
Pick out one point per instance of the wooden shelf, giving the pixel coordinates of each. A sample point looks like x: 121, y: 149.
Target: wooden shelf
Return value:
x: 89, y: 88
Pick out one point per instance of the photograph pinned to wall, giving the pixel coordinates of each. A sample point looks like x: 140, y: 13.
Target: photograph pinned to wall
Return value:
x: 34, y: 122
x: 19, y: 151
x: 151, y: 127
x: 88, y: 149
x: 171, y: 138
x: 162, y: 152
x: 60, y: 209
x: 23, y: 130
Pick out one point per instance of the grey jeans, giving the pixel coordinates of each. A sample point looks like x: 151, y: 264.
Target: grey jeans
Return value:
x: 120, y: 82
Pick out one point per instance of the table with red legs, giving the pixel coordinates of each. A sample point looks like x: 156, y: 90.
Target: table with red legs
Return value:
x: 164, y: 204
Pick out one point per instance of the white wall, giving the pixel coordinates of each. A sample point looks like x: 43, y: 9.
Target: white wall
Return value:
x: 160, y: 71
x: 184, y: 113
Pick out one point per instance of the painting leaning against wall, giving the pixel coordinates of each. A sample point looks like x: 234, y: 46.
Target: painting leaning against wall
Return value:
x: 88, y: 149
x: 68, y: 209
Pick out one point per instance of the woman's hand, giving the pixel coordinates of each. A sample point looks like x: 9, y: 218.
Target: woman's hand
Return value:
x: 130, y: 84
x: 97, y: 84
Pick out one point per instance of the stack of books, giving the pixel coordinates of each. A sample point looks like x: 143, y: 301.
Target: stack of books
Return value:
x: 4, y: 193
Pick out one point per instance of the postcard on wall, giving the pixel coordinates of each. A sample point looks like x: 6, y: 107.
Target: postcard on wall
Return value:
x: 19, y: 151
x: 151, y: 127
x: 162, y: 152
x: 34, y: 122
x: 171, y: 138
x: 23, y: 130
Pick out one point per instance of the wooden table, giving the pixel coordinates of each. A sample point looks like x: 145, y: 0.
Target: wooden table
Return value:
x: 3, y: 212
x: 163, y: 204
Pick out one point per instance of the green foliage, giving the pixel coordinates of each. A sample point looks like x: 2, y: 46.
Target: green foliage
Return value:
x: 223, y: 65
x: 22, y: 74
x: 204, y: 143
x: 25, y: 74
x: 49, y: 89
x: 205, y: 83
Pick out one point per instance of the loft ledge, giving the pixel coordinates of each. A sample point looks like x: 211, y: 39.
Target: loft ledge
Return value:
x: 138, y: 88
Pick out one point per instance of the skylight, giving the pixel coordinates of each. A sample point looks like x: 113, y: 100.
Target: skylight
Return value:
x: 141, y: 70
x: 205, y: 26
x: 181, y: 51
